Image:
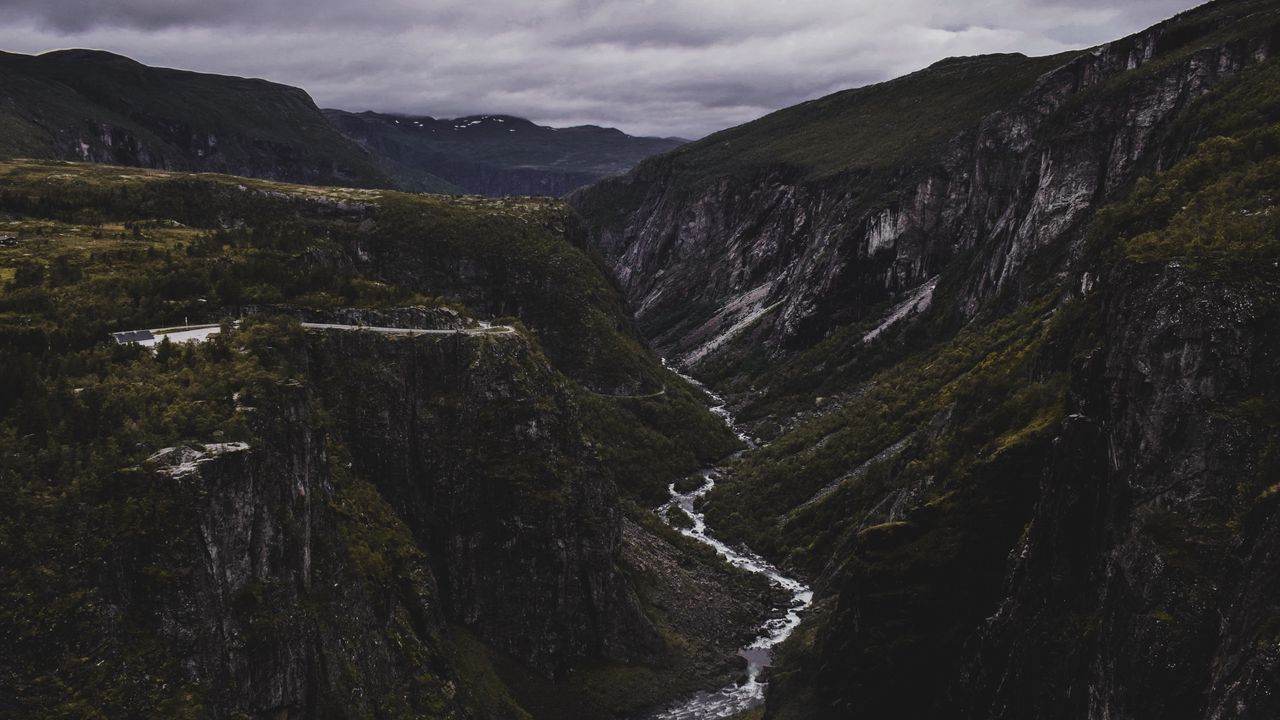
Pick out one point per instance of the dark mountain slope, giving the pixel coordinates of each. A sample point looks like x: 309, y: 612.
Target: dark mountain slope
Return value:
x: 321, y: 523
x: 834, y: 211
x: 1019, y: 381
x: 495, y: 154
x: 1089, y: 494
x: 95, y: 106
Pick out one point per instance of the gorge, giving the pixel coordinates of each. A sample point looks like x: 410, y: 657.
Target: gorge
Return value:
x: 951, y: 396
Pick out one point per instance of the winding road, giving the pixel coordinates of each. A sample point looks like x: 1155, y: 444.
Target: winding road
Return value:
x: 200, y: 333
x: 482, y: 330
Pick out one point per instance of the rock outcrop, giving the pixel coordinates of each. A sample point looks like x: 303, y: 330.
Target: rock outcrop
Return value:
x: 405, y: 485
x: 1131, y: 563
x: 475, y: 443
x: 1040, y: 480
x: 801, y: 255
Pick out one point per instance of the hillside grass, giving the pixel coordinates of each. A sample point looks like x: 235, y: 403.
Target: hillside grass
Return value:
x: 105, y: 248
x: 176, y: 118
x: 881, y: 126
x: 986, y: 390
x: 1215, y: 210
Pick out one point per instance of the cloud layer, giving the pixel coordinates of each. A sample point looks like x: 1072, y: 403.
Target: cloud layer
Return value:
x: 654, y: 67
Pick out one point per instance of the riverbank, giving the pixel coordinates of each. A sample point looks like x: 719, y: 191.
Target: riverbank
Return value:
x: 682, y: 512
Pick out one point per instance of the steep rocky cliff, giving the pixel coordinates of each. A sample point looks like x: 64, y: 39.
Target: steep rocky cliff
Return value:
x: 1014, y: 356
x: 1083, y: 567
x: 288, y: 523
x: 1134, y: 553
x: 398, y: 485
x: 476, y: 443
x: 840, y: 210
x: 288, y: 606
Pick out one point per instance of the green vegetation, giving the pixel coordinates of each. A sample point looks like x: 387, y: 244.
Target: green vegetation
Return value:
x: 72, y: 438
x: 877, y: 127
x: 864, y: 135
x: 646, y: 443
x: 1213, y: 211
x: 104, y: 248
x: 101, y: 250
x: 488, y: 696
x: 912, y: 591
x: 61, y: 101
x: 957, y: 405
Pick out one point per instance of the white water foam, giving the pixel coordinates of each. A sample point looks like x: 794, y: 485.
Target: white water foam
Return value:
x: 738, y: 697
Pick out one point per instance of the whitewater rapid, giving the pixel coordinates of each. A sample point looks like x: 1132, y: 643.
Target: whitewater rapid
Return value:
x: 738, y: 697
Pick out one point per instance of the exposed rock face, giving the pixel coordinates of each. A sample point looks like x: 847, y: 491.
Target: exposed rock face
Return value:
x: 474, y: 443
x: 1246, y: 658
x: 817, y: 254
x: 487, y: 505
x: 1136, y: 583
x: 276, y: 619
x: 1109, y: 561
x: 254, y: 516
x: 1119, y: 567
x: 1125, y: 560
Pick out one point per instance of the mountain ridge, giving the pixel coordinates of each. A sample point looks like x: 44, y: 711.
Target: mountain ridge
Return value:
x: 98, y: 106
x: 494, y: 154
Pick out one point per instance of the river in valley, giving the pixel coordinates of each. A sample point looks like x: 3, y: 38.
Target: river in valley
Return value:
x: 738, y: 697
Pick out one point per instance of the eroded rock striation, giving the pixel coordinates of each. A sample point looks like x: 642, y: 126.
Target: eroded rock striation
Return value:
x: 405, y: 485
x: 804, y: 252
x: 1018, y: 378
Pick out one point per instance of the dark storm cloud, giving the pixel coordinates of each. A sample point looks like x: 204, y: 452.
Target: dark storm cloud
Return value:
x: 668, y: 67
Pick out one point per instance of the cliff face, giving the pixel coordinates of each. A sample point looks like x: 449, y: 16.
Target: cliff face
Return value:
x: 278, y: 614
x: 406, y: 484
x: 800, y: 255
x: 1115, y: 567
x: 1133, y: 564
x: 475, y: 442
x: 1018, y: 383
x: 287, y: 523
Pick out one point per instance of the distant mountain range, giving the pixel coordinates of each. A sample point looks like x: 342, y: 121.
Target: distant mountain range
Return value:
x: 495, y: 154
x: 89, y: 105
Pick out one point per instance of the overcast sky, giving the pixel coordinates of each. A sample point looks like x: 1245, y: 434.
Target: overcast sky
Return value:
x: 653, y: 67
